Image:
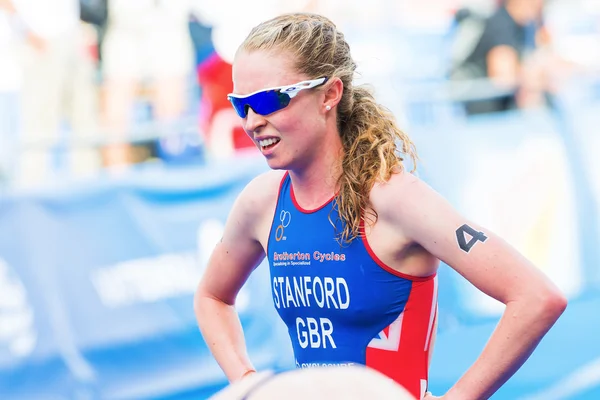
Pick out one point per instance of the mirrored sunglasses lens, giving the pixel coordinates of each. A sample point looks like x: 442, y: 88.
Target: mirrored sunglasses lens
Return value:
x: 263, y: 103
x: 269, y: 102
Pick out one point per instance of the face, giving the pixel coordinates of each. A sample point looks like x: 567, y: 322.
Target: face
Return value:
x: 537, y: 8
x: 288, y: 138
x: 532, y: 9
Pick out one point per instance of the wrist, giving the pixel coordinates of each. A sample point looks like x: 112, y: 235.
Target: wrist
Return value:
x: 248, y: 373
x: 456, y: 394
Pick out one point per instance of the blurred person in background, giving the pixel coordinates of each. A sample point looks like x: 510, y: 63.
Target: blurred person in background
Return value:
x: 219, y: 122
x: 95, y: 13
x: 353, y: 239
x: 506, y: 54
x: 219, y: 125
x: 147, y: 51
x: 59, y: 97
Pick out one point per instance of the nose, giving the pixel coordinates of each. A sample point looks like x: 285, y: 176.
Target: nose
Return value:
x: 253, y: 122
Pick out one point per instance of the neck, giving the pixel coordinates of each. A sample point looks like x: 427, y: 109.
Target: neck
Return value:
x: 316, y: 182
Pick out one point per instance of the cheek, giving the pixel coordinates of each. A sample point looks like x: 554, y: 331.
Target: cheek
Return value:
x: 299, y: 121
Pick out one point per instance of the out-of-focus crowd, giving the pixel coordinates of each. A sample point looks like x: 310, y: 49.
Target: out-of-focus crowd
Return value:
x: 78, y: 76
x: 101, y: 85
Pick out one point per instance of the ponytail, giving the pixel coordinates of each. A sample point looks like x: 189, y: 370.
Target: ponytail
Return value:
x: 369, y: 137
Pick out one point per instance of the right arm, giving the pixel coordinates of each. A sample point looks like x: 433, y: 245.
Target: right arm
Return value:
x: 237, y: 254
x: 503, y: 65
x: 502, y: 58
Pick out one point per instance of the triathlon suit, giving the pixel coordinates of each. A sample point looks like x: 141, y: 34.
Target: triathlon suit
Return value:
x: 341, y: 304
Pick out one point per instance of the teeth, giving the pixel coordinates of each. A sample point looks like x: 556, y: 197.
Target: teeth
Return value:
x: 267, y: 142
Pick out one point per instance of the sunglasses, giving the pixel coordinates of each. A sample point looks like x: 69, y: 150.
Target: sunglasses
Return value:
x: 267, y: 101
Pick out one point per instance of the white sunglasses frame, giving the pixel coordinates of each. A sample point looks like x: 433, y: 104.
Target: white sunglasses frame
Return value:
x: 290, y: 90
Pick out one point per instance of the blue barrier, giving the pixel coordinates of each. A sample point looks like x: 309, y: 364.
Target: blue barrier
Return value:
x: 564, y: 366
x: 524, y: 175
x: 99, y: 281
x: 577, y: 113
x: 510, y: 173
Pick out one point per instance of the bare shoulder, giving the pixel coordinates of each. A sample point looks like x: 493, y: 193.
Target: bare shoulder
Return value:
x: 255, y: 205
x: 263, y: 189
x: 404, y: 195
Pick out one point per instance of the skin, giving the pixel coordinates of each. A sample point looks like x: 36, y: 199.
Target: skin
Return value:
x: 310, y: 148
x: 416, y: 228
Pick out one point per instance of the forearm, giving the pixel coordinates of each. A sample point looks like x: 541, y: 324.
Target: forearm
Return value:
x: 222, y: 332
x: 521, y: 328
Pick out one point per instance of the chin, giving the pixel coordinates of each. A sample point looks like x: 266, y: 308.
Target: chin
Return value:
x: 275, y: 163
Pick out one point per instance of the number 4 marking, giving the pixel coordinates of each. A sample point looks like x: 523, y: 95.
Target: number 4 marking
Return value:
x: 476, y: 236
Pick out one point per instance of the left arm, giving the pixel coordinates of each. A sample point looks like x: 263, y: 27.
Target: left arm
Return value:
x: 533, y: 303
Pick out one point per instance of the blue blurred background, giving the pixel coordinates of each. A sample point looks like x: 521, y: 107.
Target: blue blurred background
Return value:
x: 120, y: 158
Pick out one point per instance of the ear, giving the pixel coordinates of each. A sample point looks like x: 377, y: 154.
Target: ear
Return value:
x: 333, y: 92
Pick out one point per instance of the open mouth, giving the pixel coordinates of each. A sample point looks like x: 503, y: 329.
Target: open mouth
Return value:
x: 266, y: 144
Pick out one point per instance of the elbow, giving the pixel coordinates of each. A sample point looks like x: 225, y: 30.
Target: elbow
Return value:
x: 552, y: 304
x: 205, y: 301
x: 557, y: 303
